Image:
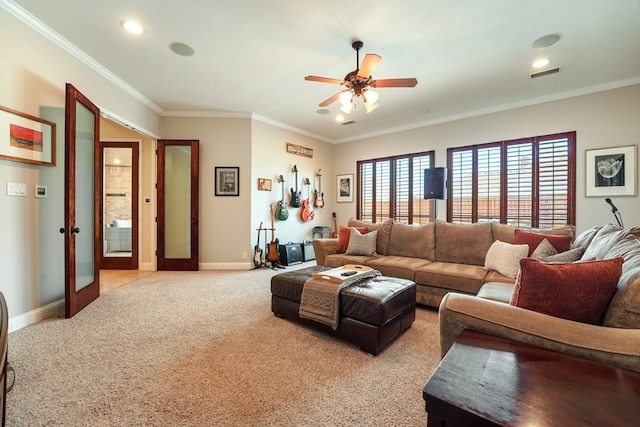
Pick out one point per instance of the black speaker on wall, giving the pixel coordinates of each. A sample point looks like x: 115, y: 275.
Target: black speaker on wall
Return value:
x: 435, y: 183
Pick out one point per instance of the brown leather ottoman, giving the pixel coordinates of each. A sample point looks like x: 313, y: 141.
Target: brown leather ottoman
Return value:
x: 373, y: 311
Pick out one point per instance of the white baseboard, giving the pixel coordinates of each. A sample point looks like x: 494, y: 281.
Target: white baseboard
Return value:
x: 53, y: 309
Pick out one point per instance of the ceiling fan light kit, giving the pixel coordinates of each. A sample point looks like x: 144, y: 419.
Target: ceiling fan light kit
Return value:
x: 360, y: 84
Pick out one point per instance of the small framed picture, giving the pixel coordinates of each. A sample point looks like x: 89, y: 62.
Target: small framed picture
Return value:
x: 40, y: 191
x: 227, y: 181
x: 611, y: 171
x: 344, y: 188
x: 264, y: 184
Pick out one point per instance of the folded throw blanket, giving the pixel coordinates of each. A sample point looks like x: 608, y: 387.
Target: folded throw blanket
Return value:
x: 321, y: 298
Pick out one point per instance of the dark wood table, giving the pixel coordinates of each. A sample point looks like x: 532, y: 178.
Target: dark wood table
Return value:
x: 489, y: 381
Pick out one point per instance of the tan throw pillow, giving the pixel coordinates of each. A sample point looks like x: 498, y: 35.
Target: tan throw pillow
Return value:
x: 544, y: 250
x: 362, y: 244
x: 505, y: 258
x: 572, y: 255
x: 384, y: 231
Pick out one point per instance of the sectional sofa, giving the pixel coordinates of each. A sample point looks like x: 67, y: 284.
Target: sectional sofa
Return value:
x: 440, y: 257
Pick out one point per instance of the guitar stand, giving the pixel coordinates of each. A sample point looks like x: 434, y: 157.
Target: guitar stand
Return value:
x: 268, y: 264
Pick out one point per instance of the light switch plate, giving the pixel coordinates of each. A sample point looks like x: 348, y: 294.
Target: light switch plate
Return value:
x: 16, y: 189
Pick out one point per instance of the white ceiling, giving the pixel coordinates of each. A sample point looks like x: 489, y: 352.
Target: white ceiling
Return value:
x: 251, y: 56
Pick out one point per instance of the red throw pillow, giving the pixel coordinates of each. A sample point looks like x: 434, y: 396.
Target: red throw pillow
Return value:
x: 578, y: 291
x: 344, y: 235
x: 561, y: 243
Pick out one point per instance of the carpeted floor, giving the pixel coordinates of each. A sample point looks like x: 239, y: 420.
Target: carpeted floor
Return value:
x: 203, y: 349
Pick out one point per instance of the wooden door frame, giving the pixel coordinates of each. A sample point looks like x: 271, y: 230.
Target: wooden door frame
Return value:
x: 163, y: 263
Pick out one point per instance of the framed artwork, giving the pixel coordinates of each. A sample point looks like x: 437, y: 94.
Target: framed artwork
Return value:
x: 26, y: 138
x: 227, y: 181
x: 344, y: 188
x: 611, y: 171
x: 264, y: 184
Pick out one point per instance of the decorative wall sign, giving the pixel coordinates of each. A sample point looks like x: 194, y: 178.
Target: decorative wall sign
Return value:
x: 611, y: 171
x: 344, y: 188
x: 227, y: 181
x: 264, y: 184
x: 299, y: 150
x: 27, y: 138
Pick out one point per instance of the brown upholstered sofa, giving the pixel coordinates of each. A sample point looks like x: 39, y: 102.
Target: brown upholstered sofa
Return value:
x: 615, y: 340
x: 440, y: 257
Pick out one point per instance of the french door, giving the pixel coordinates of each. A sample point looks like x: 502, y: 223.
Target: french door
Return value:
x: 177, y: 195
x: 83, y: 190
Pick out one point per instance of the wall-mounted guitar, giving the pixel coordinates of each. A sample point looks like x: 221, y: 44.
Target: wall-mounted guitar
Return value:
x: 306, y: 213
x: 319, y: 200
x: 282, y: 212
x: 295, y: 195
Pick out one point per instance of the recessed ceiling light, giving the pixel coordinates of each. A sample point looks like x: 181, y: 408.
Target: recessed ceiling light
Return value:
x: 181, y: 49
x: 323, y: 111
x: 339, y: 118
x: 539, y: 63
x: 132, y: 27
x: 546, y: 41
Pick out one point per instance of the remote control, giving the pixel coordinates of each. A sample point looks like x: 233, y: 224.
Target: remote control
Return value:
x: 348, y: 273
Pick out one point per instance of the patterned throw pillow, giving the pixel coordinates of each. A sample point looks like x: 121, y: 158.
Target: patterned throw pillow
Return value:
x: 575, y: 291
x: 344, y: 235
x: 362, y: 244
x: 572, y: 255
x: 505, y: 257
x: 545, y: 249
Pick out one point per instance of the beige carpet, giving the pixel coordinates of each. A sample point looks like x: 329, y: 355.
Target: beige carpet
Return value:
x: 204, y: 349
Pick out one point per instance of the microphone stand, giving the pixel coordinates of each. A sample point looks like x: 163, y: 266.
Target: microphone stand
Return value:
x: 618, y: 217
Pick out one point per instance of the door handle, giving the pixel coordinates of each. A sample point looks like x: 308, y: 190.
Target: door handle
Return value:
x: 74, y: 230
x: 194, y: 221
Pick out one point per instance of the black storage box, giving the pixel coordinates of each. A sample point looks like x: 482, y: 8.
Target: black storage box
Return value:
x: 290, y: 253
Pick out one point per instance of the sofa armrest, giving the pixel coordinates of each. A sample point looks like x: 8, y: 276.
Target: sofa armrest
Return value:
x: 324, y: 247
x: 613, y: 346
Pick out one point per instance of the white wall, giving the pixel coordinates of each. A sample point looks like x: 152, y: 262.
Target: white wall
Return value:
x: 604, y: 119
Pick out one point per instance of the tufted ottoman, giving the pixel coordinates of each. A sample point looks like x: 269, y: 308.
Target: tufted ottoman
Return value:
x: 373, y: 311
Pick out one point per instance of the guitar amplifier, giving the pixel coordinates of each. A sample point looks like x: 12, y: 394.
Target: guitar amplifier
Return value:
x: 290, y: 253
x: 321, y: 232
x: 308, y: 253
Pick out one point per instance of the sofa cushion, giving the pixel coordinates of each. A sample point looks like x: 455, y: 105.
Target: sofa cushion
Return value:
x: 338, y: 260
x: 362, y: 244
x: 452, y: 276
x: 505, y: 258
x: 624, y: 310
x: 584, y: 239
x: 494, y: 276
x: 344, y: 235
x: 560, y: 243
x: 496, y: 291
x: 384, y: 231
x: 397, y: 266
x: 605, y: 239
x: 506, y: 233
x: 463, y: 243
x: 574, y: 291
x: 571, y: 255
x: 416, y: 241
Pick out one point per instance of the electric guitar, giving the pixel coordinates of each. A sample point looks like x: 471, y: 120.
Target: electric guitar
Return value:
x: 306, y: 213
x: 295, y: 195
x: 257, y: 253
x: 319, y: 201
x: 335, y: 225
x: 282, y: 213
x: 272, y: 250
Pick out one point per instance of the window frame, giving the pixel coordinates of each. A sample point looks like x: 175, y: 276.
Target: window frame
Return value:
x: 393, y: 201
x: 535, y: 178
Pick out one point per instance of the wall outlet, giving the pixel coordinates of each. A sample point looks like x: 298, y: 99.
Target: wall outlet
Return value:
x: 244, y: 254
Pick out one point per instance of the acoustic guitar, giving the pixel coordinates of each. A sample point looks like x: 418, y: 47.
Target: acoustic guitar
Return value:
x: 257, y: 251
x: 282, y: 212
x: 295, y: 195
x: 319, y: 199
x: 306, y: 213
x: 272, y: 249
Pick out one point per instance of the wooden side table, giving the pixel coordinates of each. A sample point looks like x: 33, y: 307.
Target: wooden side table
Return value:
x: 489, y: 381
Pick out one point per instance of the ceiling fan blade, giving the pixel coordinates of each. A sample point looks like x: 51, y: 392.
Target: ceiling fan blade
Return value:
x: 330, y: 100
x: 323, y: 80
x: 408, y: 82
x: 369, y: 64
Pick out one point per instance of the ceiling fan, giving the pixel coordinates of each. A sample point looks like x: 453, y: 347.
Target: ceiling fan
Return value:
x: 359, y: 83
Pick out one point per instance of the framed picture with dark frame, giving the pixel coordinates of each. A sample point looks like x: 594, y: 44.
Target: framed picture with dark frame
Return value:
x: 227, y: 181
x: 611, y: 171
x: 26, y: 138
x: 344, y: 188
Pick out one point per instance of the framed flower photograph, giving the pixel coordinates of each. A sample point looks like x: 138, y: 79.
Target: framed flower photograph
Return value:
x: 611, y: 171
x: 227, y: 181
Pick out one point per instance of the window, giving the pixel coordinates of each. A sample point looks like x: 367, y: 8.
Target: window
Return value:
x: 392, y: 187
x: 527, y: 182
